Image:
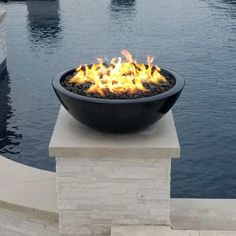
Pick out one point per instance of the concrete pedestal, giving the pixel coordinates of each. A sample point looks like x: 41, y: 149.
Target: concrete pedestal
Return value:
x: 2, y: 42
x: 105, y: 179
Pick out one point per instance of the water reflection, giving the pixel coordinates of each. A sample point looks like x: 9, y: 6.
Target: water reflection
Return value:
x: 9, y: 139
x: 44, y: 21
x: 119, y: 4
x: 229, y: 6
x: 121, y: 24
x: 229, y: 1
x: 122, y: 7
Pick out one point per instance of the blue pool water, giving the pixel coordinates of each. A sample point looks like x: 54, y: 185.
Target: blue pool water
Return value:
x: 197, y: 38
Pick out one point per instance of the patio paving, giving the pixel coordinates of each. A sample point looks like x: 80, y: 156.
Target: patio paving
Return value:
x: 164, y: 231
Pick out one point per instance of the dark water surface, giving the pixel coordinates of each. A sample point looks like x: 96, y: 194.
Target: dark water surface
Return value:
x: 197, y: 38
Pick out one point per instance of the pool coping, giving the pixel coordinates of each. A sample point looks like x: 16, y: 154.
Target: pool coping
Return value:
x: 26, y: 189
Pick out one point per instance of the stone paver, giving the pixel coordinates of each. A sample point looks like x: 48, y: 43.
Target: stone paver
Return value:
x: 164, y: 231
x: 216, y: 233
x: 149, y: 231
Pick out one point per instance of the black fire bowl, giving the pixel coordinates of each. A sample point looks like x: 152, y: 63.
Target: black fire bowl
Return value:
x: 117, y: 115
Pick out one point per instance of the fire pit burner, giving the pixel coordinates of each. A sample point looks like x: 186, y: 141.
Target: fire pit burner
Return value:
x: 119, y: 80
x: 150, y: 88
x: 119, y: 97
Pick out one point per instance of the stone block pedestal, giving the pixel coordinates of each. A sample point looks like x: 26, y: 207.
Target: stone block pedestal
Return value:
x: 105, y: 179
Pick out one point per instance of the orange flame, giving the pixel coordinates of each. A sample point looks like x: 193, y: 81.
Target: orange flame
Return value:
x: 121, y: 76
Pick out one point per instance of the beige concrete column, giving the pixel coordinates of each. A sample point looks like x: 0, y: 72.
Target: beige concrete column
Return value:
x: 3, y: 49
x: 105, y: 179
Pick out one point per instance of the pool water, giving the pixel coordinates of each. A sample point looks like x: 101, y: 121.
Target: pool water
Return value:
x: 196, y: 38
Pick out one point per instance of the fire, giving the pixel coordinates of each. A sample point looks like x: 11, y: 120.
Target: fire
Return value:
x: 120, y: 76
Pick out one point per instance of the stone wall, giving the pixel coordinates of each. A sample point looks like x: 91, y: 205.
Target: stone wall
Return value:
x: 2, y: 41
x: 95, y: 193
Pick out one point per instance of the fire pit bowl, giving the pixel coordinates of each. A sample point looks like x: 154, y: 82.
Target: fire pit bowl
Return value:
x: 117, y: 115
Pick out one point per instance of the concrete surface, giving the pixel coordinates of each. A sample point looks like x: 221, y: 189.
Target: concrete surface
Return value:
x: 215, y: 214
x: 164, y: 231
x: 27, y: 200
x: 27, y: 188
x: 19, y: 223
x: 72, y: 139
x: 3, y: 48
